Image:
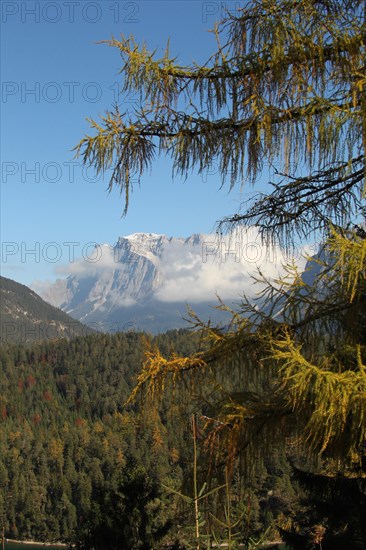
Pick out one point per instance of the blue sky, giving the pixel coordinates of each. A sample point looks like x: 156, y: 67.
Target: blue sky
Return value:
x: 54, y: 75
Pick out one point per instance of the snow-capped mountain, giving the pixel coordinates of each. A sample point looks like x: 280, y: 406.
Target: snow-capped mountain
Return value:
x: 145, y: 281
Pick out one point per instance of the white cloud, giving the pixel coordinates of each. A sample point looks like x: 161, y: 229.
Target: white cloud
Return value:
x: 219, y: 266
x: 92, y: 263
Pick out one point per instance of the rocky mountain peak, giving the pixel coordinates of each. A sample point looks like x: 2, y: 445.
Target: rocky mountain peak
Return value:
x: 148, y: 279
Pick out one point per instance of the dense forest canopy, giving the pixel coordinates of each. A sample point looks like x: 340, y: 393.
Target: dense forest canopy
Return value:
x: 77, y: 466
x: 67, y: 446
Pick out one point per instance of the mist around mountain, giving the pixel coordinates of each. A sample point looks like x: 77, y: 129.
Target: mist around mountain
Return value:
x: 146, y: 282
x: 26, y: 317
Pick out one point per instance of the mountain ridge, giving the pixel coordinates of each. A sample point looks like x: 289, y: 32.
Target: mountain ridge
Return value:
x: 26, y: 317
x: 146, y: 280
x: 128, y: 287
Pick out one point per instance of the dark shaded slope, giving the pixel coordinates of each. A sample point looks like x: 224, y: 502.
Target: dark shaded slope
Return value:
x: 25, y: 317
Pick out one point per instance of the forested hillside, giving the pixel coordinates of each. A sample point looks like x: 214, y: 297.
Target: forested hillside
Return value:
x: 75, y: 464
x: 25, y: 317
